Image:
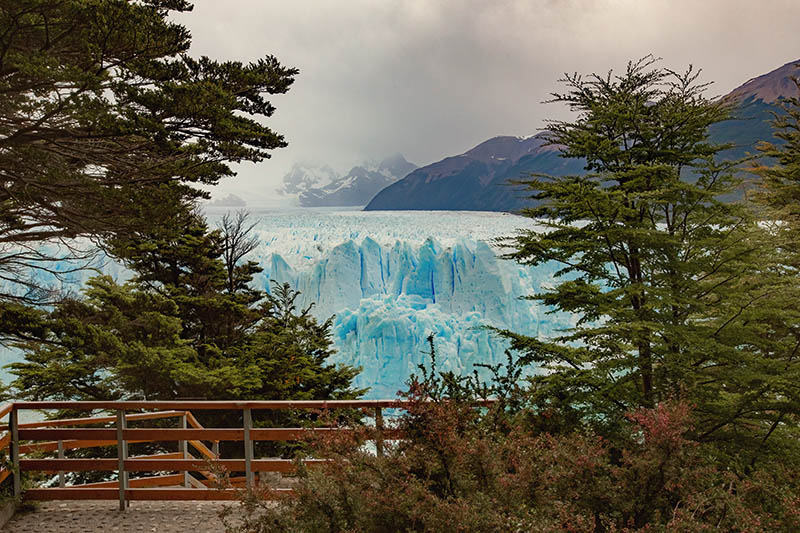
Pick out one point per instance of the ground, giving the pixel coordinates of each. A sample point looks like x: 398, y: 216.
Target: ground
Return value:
x: 105, y: 516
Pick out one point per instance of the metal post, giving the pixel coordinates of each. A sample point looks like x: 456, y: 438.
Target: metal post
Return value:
x: 61, y: 477
x: 248, y: 449
x: 184, y: 449
x: 122, y: 456
x: 13, y: 422
x: 379, y: 431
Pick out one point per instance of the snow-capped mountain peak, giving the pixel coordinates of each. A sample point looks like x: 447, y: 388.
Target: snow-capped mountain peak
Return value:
x: 321, y: 186
x: 305, y: 176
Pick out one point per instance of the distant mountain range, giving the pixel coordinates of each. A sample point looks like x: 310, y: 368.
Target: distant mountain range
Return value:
x: 321, y: 186
x: 481, y: 178
x: 477, y: 180
x: 228, y: 201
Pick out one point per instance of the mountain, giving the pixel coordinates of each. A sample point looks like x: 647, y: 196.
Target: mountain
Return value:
x: 321, y: 186
x: 228, y: 201
x: 479, y: 179
x: 756, y: 103
x: 770, y: 87
x: 303, y: 177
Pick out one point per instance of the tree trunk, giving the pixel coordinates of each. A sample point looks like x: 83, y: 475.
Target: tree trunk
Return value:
x: 646, y: 370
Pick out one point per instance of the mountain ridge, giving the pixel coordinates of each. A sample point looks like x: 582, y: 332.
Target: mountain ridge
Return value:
x: 769, y: 87
x: 481, y: 179
x: 321, y: 186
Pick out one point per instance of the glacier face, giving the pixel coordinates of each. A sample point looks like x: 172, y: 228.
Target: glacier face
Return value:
x: 393, y: 278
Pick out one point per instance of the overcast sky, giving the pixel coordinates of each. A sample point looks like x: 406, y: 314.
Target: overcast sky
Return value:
x: 430, y: 79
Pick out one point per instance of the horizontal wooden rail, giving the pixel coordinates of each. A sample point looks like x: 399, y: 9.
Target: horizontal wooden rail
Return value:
x: 195, y: 473
x: 158, y: 465
x: 169, y: 434
x: 108, y: 436
x: 140, y: 434
x: 223, y: 405
x: 97, y: 420
x: 134, y: 494
x: 96, y: 434
x: 71, y: 445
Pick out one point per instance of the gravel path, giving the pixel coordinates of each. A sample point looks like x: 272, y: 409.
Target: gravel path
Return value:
x: 105, y: 516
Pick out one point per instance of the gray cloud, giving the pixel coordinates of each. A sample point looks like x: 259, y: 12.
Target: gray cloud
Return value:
x: 433, y: 78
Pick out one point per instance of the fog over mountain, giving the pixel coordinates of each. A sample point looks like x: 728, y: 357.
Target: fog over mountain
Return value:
x: 318, y: 185
x: 431, y: 79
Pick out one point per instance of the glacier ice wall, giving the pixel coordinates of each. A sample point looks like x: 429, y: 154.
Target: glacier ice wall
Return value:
x: 393, y: 278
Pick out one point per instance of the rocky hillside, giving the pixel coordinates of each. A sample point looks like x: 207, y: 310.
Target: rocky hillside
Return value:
x: 477, y: 180
x: 481, y: 179
x: 770, y: 87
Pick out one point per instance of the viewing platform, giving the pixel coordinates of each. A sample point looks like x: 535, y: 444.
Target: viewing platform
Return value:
x: 182, y: 487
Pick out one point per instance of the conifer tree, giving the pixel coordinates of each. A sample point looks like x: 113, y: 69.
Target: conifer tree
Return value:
x: 667, y: 281
x: 175, y: 330
x: 107, y: 125
x: 780, y: 191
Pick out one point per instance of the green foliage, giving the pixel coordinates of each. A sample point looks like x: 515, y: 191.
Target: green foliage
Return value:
x: 457, y: 470
x: 780, y: 191
x: 291, y: 347
x: 106, y: 126
x: 678, y: 294
x: 176, y: 330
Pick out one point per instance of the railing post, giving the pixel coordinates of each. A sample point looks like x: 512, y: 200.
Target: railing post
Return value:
x: 122, y: 456
x: 379, y: 431
x: 184, y: 449
x: 248, y: 448
x: 13, y: 422
x: 61, y: 477
x: 215, y: 448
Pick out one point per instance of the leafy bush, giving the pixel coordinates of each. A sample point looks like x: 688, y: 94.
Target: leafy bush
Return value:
x: 467, y: 469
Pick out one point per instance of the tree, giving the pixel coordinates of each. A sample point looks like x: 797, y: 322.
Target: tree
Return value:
x: 106, y: 125
x: 185, y: 261
x: 292, y: 347
x: 779, y: 197
x: 237, y: 243
x: 668, y: 281
x: 780, y: 192
x: 176, y: 331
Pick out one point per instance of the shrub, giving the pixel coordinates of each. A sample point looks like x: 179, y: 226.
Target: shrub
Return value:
x: 456, y: 472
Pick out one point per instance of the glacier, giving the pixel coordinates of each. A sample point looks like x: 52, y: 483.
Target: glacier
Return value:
x: 393, y: 278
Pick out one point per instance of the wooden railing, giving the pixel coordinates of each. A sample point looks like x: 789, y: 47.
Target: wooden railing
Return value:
x: 195, y: 461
